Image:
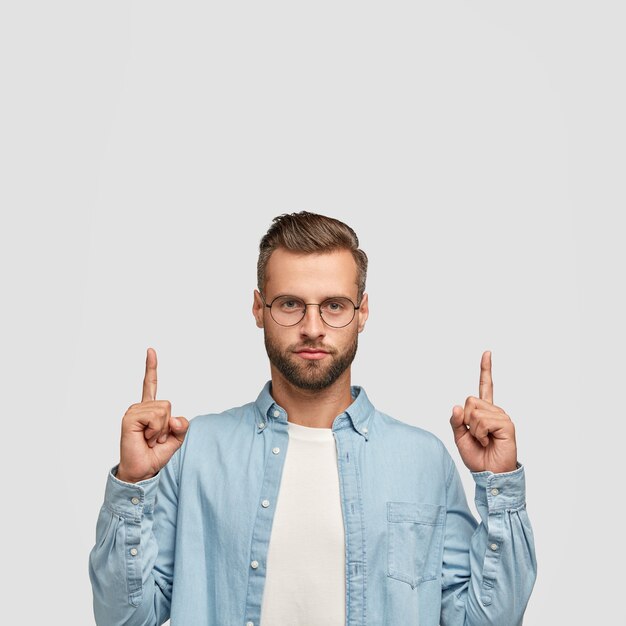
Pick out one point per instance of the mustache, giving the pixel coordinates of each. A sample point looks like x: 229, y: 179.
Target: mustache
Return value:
x: 311, y: 346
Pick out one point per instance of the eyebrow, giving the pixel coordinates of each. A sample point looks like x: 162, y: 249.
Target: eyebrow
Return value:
x: 291, y: 295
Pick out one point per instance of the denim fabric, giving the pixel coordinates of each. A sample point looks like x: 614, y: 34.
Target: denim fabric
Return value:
x: 181, y: 544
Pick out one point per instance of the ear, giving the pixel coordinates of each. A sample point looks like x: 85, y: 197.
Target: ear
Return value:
x: 363, y: 312
x: 258, y: 308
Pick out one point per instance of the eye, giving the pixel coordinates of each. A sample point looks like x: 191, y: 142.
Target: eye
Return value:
x: 289, y: 305
x: 334, y: 306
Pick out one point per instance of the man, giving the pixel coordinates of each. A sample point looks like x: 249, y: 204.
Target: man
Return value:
x: 309, y: 507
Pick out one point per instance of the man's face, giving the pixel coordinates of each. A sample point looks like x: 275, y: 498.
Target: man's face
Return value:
x: 310, y: 355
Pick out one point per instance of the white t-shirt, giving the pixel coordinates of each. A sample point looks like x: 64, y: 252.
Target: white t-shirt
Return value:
x: 306, y: 580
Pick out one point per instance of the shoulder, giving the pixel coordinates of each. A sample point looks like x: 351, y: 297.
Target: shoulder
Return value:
x: 230, y: 418
x: 404, y: 434
x: 394, y: 432
x: 211, y: 435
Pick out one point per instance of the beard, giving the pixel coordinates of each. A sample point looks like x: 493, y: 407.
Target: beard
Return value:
x: 310, y: 375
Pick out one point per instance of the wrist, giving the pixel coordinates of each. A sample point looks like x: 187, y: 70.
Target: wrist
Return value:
x: 124, y: 477
x: 498, y: 470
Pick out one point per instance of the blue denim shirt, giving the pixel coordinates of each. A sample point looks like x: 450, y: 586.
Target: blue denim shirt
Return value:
x: 181, y: 544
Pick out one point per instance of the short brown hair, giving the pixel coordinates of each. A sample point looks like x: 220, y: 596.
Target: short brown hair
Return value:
x: 307, y: 233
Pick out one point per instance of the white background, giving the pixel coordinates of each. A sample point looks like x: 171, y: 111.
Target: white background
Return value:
x: 476, y: 148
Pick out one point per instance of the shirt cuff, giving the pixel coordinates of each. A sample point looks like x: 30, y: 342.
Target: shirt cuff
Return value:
x: 501, y: 491
x: 130, y: 500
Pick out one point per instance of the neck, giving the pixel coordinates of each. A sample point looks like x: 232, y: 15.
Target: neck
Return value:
x: 316, y: 409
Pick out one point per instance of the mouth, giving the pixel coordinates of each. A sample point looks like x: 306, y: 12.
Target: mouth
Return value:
x: 311, y: 354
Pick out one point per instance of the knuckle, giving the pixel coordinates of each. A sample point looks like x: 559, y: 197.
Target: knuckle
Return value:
x: 129, y: 415
x: 146, y: 417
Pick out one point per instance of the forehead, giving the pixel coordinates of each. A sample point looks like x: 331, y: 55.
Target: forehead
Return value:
x: 313, y: 275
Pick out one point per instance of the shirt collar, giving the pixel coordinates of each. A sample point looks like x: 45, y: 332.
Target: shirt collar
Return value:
x: 359, y: 413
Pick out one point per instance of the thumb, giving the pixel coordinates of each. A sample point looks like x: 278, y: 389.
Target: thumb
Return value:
x: 178, y: 430
x: 457, y: 422
x: 179, y: 426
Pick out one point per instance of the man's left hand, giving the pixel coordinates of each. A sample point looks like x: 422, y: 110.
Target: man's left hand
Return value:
x: 483, y: 432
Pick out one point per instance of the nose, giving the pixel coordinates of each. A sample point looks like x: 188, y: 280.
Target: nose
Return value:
x: 312, y: 324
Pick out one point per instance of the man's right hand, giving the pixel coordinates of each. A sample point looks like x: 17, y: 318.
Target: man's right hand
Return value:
x: 150, y: 435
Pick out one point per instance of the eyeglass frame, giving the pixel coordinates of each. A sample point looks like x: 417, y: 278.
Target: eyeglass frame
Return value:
x: 306, y: 304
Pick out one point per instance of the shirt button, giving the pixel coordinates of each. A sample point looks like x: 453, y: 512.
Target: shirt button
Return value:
x: 276, y: 413
x: 365, y: 431
x: 261, y: 424
x: 275, y: 450
x: 133, y: 551
x: 494, y: 546
x: 265, y: 503
x: 135, y: 500
x: 495, y: 492
x: 249, y: 623
x: 254, y: 564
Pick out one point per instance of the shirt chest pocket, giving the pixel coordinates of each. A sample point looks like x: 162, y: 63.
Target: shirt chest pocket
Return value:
x: 415, y: 535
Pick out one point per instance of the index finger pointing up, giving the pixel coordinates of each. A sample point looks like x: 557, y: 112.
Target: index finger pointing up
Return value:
x: 485, y: 386
x: 150, y: 378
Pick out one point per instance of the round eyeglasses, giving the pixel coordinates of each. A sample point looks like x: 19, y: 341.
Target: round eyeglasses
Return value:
x: 289, y: 310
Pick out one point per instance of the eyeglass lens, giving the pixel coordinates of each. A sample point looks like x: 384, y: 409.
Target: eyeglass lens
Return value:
x: 336, y: 312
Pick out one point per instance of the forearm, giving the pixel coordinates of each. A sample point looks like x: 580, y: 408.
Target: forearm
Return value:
x: 126, y: 591
x: 501, y: 561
